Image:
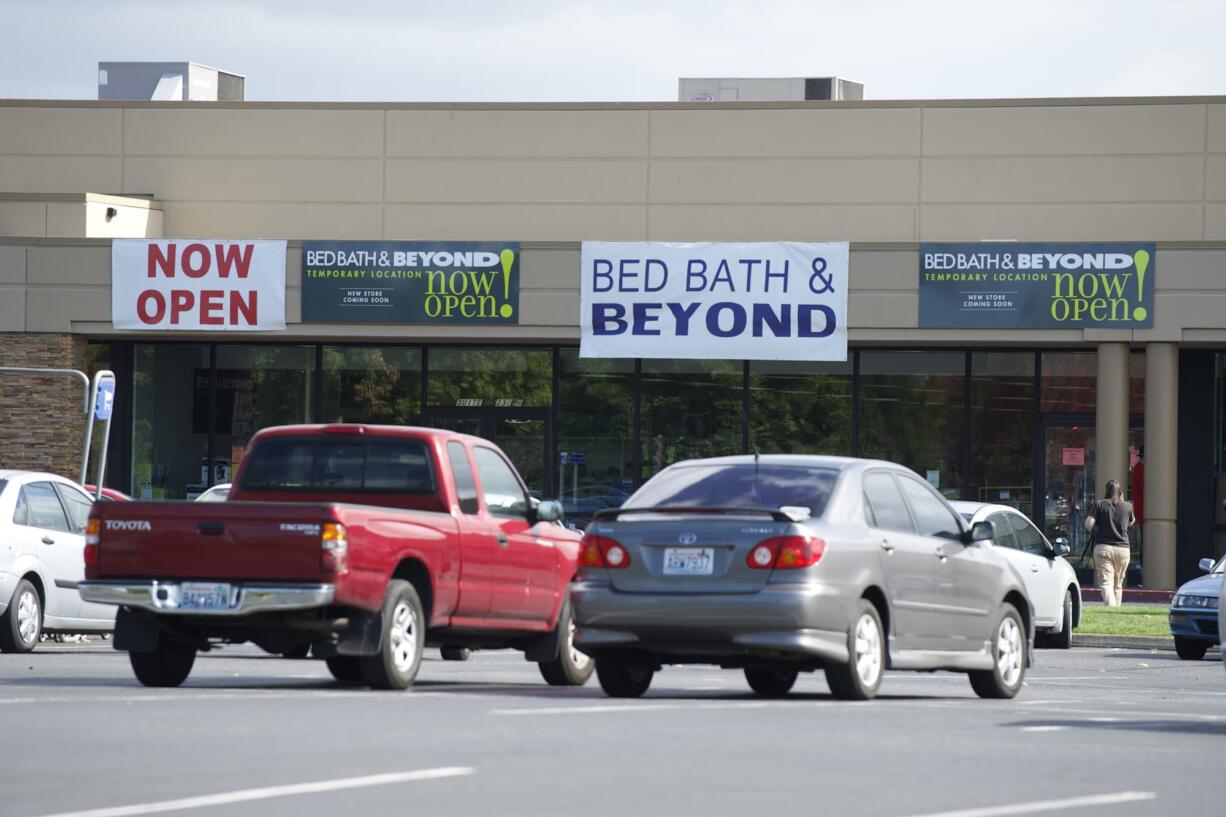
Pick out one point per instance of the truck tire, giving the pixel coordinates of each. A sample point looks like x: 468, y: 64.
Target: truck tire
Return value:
x: 1008, y: 657
x: 22, y: 622
x: 345, y: 669
x: 401, y: 642
x: 623, y: 676
x: 167, y: 666
x: 451, y: 652
x: 571, y: 668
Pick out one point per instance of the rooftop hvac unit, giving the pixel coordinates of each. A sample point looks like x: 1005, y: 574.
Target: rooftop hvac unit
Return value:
x: 770, y: 89
x: 169, y: 82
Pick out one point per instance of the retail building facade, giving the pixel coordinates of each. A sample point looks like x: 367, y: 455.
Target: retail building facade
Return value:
x: 1034, y: 417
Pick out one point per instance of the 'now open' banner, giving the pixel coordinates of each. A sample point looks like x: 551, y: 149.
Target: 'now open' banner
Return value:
x: 189, y: 284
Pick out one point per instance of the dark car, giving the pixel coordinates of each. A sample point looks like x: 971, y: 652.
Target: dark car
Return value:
x: 1194, y: 613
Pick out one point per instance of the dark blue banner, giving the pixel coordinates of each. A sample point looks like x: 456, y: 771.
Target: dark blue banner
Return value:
x: 1037, y: 286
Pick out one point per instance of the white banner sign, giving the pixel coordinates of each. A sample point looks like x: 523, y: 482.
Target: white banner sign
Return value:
x: 198, y: 285
x: 776, y: 301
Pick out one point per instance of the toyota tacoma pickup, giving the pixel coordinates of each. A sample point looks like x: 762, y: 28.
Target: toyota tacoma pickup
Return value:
x: 357, y: 544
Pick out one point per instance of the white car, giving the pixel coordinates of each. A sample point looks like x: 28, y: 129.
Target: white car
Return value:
x: 1050, y: 581
x: 42, y: 560
x: 218, y: 493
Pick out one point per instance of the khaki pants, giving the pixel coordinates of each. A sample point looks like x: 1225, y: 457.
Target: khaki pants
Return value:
x: 1110, y: 567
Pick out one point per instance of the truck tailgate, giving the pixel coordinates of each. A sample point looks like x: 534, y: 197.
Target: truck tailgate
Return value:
x: 197, y: 540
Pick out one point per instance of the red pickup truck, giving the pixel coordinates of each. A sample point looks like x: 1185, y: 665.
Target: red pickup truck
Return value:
x: 359, y: 544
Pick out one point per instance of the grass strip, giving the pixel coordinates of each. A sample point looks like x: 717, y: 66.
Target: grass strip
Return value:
x: 1131, y: 619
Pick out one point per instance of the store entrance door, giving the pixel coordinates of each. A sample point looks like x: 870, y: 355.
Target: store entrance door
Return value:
x: 1067, y: 487
x: 522, y: 433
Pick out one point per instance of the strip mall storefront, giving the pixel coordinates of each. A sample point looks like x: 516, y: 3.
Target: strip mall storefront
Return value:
x: 986, y: 392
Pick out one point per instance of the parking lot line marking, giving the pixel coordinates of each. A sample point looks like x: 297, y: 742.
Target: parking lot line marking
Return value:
x: 268, y: 792
x: 1049, y: 805
x: 1044, y: 728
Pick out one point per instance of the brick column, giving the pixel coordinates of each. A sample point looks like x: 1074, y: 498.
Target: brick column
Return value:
x: 42, y: 419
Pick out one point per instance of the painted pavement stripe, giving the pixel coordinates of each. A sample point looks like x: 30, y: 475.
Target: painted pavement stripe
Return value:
x: 1038, y: 806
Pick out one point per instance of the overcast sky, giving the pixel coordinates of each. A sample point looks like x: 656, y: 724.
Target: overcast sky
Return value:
x: 630, y: 50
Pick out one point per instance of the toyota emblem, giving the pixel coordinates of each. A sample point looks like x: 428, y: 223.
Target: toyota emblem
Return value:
x: 687, y: 538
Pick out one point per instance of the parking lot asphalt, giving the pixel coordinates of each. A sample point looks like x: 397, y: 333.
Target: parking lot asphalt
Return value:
x: 1095, y: 732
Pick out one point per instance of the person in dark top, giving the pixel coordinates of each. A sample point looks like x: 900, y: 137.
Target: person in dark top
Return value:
x: 1109, y: 521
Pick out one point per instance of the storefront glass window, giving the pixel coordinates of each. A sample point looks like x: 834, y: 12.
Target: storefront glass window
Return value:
x: 911, y: 412
x: 169, y: 431
x: 690, y: 408
x: 257, y: 387
x: 800, y: 408
x: 596, y: 427
x: 1069, y: 382
x: 482, y: 377
x: 371, y: 384
x: 1002, y: 428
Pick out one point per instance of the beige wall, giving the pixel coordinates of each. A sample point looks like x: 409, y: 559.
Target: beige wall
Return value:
x: 1070, y: 170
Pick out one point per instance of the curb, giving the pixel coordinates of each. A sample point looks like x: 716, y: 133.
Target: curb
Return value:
x: 1145, y: 642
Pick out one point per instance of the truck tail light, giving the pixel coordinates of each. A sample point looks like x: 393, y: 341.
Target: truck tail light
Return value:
x: 601, y: 551
x: 334, y: 557
x: 93, y: 538
x: 786, y: 553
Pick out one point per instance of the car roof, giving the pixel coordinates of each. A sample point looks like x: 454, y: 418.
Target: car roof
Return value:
x: 15, y: 473
x: 810, y: 460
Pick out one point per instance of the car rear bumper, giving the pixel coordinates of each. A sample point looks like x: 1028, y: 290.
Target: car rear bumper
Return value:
x: 784, y: 621
x: 1195, y: 623
x: 165, y: 597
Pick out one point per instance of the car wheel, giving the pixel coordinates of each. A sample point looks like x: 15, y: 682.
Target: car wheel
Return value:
x: 1063, y: 640
x: 22, y: 623
x: 298, y: 651
x: 454, y: 653
x: 1190, y: 649
x: 1008, y: 657
x: 395, y: 665
x: 623, y: 677
x: 571, y: 668
x: 859, y: 679
x: 167, y: 666
x: 345, y: 669
x: 771, y: 680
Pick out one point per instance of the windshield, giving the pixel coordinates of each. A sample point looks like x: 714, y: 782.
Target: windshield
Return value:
x: 739, y: 486
x: 1220, y: 568
x: 281, y: 464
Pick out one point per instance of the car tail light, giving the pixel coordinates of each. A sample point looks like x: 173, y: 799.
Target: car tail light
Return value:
x: 334, y: 557
x: 601, y: 551
x: 786, y: 553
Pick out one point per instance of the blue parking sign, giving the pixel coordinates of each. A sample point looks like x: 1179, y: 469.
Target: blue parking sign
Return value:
x: 104, y: 400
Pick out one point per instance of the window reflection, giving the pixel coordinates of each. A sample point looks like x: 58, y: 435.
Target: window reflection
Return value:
x: 595, y: 421
x: 371, y: 384
x: 690, y: 409
x: 800, y: 408
x: 170, y: 410
x: 1002, y: 428
x: 480, y: 377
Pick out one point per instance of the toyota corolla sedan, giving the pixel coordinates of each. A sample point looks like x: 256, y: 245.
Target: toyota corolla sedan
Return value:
x: 783, y: 564
x: 1194, y: 612
x: 1050, y: 581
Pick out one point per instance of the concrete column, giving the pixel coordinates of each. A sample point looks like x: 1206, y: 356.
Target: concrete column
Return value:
x: 1111, y: 418
x: 1161, y: 464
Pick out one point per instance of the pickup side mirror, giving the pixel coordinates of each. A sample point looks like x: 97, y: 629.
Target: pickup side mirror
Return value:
x: 1061, y: 546
x: 1206, y: 565
x: 980, y: 532
x: 549, y: 510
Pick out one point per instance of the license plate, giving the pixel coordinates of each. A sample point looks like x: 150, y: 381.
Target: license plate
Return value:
x: 204, y: 596
x: 689, y: 561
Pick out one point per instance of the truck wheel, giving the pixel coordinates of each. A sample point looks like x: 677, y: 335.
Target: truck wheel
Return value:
x: 1008, y: 648
x: 167, y: 666
x: 860, y: 677
x: 623, y: 677
x: 345, y: 669
x: 770, y: 680
x: 404, y: 637
x: 1190, y: 649
x: 453, y: 653
x: 298, y: 651
x: 571, y: 668
x: 22, y: 623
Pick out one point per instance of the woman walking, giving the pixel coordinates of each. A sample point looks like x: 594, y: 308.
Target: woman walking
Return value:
x: 1109, y: 522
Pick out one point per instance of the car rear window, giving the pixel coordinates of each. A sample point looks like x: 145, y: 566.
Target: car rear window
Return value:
x: 287, y: 464
x: 739, y: 486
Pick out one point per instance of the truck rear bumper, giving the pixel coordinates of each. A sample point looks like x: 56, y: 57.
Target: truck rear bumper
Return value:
x: 166, y: 597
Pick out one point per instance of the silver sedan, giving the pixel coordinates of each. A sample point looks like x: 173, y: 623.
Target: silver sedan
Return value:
x: 784, y: 564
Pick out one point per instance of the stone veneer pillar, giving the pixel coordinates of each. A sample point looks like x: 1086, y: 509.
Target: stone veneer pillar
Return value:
x: 42, y: 419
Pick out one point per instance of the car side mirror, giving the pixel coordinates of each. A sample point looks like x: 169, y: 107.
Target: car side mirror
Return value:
x: 550, y: 510
x: 1061, y: 546
x: 980, y: 532
x: 1206, y: 565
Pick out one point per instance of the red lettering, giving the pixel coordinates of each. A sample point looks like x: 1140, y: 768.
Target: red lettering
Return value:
x: 232, y: 255
x: 142, y: 306
x: 181, y: 300
x: 165, y: 262
x: 249, y: 308
x: 210, y: 303
x: 200, y: 269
